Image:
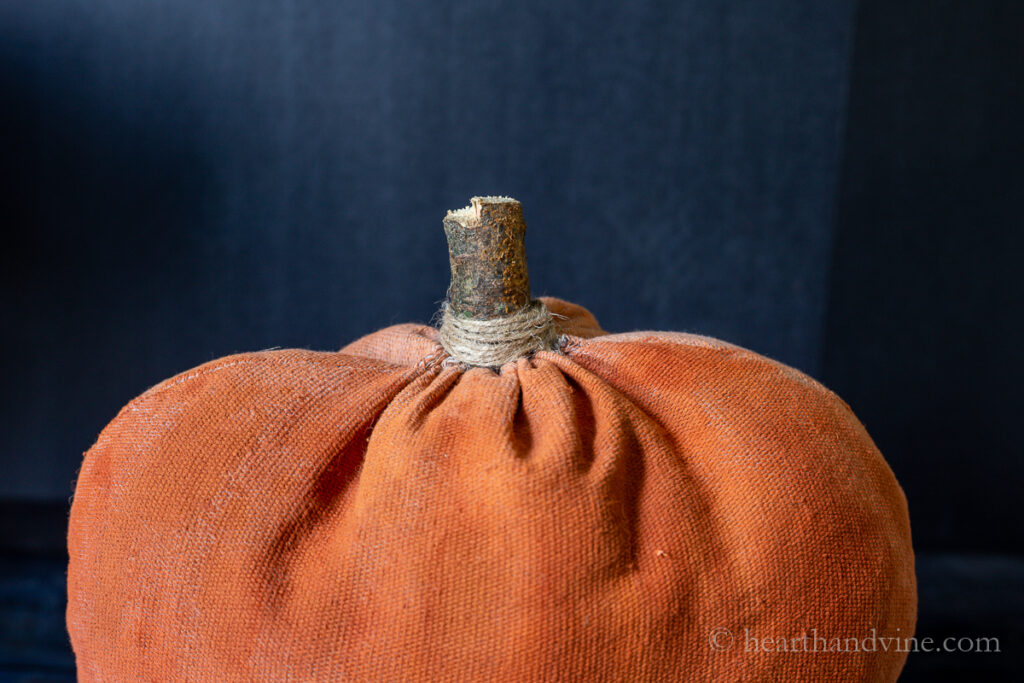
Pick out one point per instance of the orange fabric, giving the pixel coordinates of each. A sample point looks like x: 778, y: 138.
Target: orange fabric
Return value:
x: 593, y: 515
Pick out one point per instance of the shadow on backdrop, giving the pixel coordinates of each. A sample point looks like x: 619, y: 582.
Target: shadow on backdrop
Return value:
x: 924, y: 324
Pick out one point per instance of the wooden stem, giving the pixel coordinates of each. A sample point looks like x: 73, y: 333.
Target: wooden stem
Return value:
x: 487, y: 252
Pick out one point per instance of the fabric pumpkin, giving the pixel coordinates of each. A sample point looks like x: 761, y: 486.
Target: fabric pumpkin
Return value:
x: 648, y: 506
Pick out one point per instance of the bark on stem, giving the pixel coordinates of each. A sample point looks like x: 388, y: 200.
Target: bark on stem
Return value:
x: 487, y: 252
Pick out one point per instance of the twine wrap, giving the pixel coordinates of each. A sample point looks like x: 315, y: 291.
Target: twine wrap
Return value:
x: 493, y: 342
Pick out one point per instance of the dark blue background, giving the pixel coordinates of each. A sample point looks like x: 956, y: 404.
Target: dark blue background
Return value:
x: 837, y: 185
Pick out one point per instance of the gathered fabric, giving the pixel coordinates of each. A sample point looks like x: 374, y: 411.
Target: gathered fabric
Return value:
x: 637, y: 507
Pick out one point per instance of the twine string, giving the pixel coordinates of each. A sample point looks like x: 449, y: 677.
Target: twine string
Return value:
x: 494, y: 342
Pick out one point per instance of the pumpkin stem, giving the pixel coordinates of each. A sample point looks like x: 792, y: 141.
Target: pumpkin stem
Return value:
x: 487, y: 252
x: 489, y: 318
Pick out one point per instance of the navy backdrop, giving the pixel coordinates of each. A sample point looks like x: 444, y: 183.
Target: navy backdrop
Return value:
x: 834, y: 184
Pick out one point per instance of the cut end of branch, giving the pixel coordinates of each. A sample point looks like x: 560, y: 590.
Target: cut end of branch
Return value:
x: 471, y: 215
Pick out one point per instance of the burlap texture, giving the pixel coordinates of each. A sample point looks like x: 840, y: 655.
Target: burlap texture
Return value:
x: 592, y: 515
